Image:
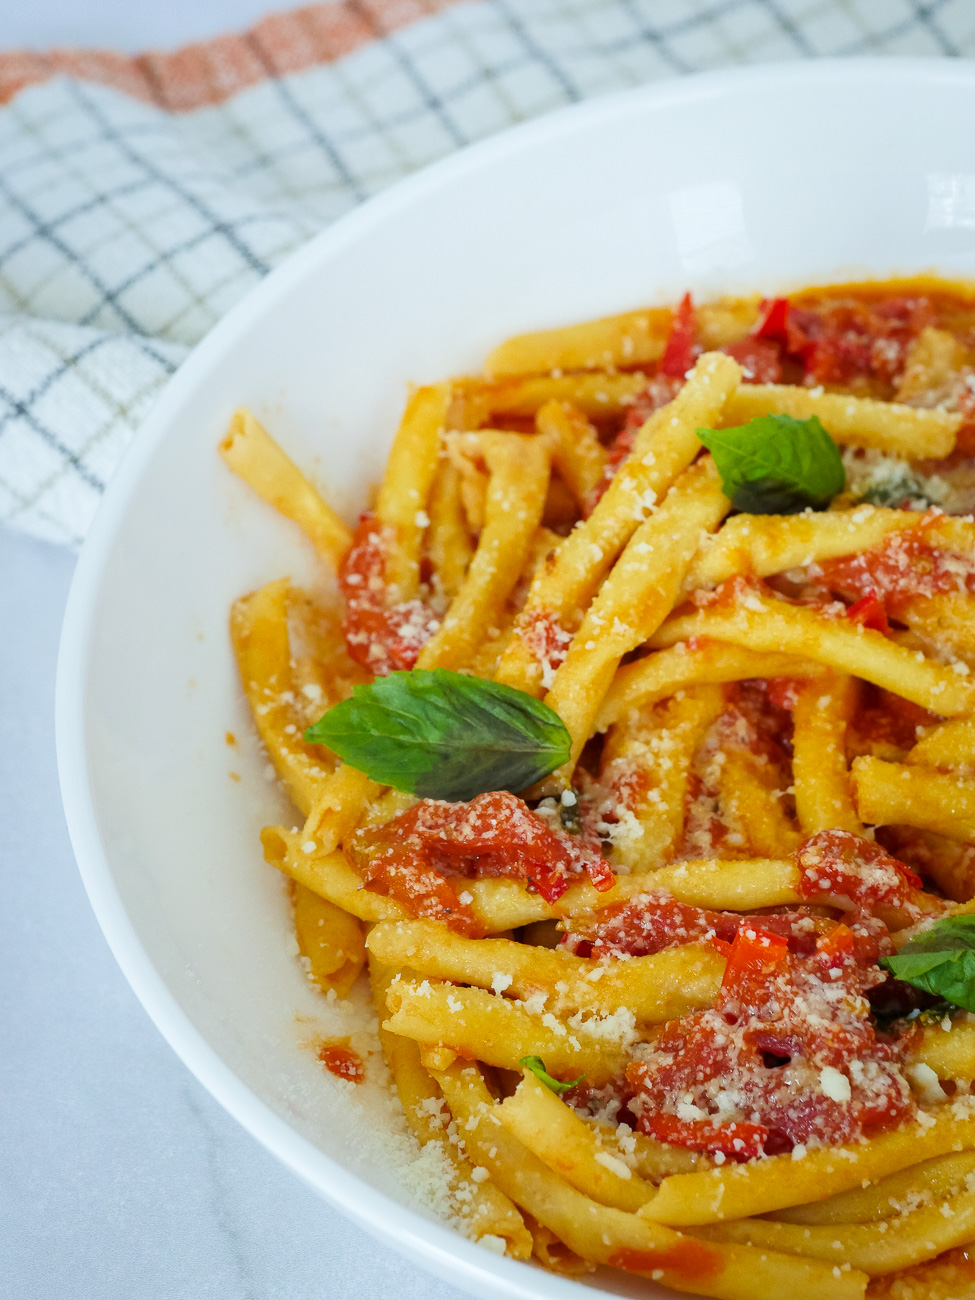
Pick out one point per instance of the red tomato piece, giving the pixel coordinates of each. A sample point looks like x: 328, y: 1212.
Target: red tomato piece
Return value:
x: 760, y: 359
x: 681, y: 351
x: 869, y: 610
x: 773, y: 320
x: 738, y: 1140
x: 380, y: 636
x: 755, y: 955
x: 412, y: 856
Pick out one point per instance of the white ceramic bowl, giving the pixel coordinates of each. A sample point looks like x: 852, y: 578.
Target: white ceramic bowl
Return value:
x: 757, y: 179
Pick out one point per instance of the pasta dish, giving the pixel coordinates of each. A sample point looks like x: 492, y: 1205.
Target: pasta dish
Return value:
x: 636, y: 756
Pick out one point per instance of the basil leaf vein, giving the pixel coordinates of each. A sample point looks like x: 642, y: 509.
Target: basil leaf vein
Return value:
x: 444, y: 735
x: 776, y: 464
x: 537, y: 1067
x: 940, y: 961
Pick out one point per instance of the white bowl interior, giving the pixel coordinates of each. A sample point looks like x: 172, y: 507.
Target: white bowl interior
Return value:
x: 756, y: 180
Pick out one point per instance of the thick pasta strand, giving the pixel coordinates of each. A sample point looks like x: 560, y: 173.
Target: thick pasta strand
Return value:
x: 922, y: 1184
x: 484, y: 1209
x: 859, y: 421
x: 407, y: 483
x: 751, y: 799
x: 761, y: 545
x: 950, y: 745
x: 629, y: 339
x: 448, y: 542
x: 251, y: 452
x: 651, y: 753
x: 552, y: 1131
x: 763, y: 623
x: 259, y: 632
x: 899, y: 794
x: 332, y: 941
x: 652, y: 989
x: 947, y: 618
x: 664, y: 447
x: 823, y: 710
x: 519, y: 470
x: 634, y: 599
x: 606, y: 1235
x: 950, y: 1053
x: 875, y: 1248
x: 741, y: 885
x: 737, y: 1191
x: 577, y: 453
x: 499, y: 1031
x: 664, y: 673
x: 599, y: 396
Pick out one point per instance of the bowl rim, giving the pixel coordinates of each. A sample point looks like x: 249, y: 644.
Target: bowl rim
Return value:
x: 427, y: 1242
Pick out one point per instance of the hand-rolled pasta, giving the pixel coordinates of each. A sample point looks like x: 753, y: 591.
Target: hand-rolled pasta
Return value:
x: 858, y: 421
x: 763, y: 623
x: 499, y: 904
x: 259, y: 632
x: 652, y: 989
x: 761, y: 545
x: 950, y: 1053
x: 736, y: 1191
x: 665, y: 672
x: 634, y: 599
x: 923, y: 1184
x: 484, y: 1209
x: 553, y: 1132
x: 950, y: 745
x: 664, y: 447
x: 332, y: 941
x: 598, y: 396
x: 606, y: 1235
x: 407, y: 483
x: 899, y: 794
x: 577, y: 453
x: 822, y: 712
x: 629, y: 339
x: 519, y: 470
x: 498, y: 1031
x: 651, y: 752
x: 250, y: 451
x: 876, y: 1248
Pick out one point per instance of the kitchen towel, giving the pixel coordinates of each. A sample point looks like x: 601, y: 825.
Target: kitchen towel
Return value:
x: 141, y: 197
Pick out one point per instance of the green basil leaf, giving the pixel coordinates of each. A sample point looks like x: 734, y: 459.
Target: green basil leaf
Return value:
x: 537, y: 1067
x: 776, y: 464
x: 444, y: 735
x: 940, y: 961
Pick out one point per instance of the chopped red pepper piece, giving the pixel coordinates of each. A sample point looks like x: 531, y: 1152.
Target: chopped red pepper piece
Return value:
x: 773, y: 320
x: 869, y: 610
x: 737, y: 1139
x: 680, y: 351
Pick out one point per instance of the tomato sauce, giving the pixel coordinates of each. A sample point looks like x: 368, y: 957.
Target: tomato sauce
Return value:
x: 339, y: 1059
x: 413, y: 856
x: 381, y: 636
x: 859, y: 875
x: 688, y: 1261
x: 788, y: 1055
x: 904, y: 567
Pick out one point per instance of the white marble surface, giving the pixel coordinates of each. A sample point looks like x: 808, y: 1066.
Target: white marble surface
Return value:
x: 120, y: 1178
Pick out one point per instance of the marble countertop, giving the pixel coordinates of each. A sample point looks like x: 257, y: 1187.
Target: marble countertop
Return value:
x: 120, y: 1177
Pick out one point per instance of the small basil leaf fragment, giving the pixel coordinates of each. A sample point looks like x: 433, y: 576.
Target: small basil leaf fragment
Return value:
x: 776, y: 464
x: 941, y: 961
x: 444, y: 735
x: 537, y: 1067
